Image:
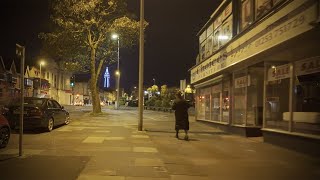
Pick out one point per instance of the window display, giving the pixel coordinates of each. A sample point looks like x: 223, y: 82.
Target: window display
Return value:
x: 277, y: 97
x: 216, y: 106
x: 255, y: 96
x: 200, y: 107
x: 225, y: 100
x: 203, y: 108
x: 306, y: 115
x: 240, y: 97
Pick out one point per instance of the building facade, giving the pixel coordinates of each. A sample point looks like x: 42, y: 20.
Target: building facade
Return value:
x: 258, y: 71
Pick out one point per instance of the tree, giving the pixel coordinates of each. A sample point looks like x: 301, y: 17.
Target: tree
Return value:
x: 82, y: 36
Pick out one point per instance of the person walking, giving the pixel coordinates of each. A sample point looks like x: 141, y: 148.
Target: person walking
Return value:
x: 181, y: 107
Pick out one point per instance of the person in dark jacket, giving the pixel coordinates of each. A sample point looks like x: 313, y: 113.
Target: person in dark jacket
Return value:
x: 181, y: 107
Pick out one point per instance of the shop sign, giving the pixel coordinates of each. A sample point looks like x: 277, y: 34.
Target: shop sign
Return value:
x: 241, y: 82
x: 278, y: 28
x: 308, y: 66
x: 279, y: 72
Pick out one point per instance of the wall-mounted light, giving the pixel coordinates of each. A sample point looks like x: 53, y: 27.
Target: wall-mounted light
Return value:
x: 223, y: 37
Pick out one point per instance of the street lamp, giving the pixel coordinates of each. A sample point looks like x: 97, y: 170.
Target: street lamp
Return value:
x: 141, y: 65
x: 116, y: 37
x: 41, y: 64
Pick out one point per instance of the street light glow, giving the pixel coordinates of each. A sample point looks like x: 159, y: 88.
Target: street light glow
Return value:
x: 223, y: 37
x: 117, y: 73
x: 114, y: 36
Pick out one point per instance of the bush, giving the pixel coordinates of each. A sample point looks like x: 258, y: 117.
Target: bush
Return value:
x: 158, y: 103
x: 166, y: 103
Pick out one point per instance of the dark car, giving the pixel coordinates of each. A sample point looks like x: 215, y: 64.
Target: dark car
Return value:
x: 4, y: 131
x: 38, y: 113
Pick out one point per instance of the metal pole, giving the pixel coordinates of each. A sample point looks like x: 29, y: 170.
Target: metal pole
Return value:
x: 118, y: 78
x: 141, y: 64
x: 21, y: 48
x: 40, y: 82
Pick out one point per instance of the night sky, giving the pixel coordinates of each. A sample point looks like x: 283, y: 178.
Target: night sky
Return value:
x: 171, y: 42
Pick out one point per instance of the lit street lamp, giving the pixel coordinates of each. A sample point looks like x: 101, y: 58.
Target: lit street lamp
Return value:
x: 116, y: 37
x: 41, y: 64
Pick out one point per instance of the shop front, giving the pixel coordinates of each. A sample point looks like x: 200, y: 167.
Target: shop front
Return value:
x: 265, y: 80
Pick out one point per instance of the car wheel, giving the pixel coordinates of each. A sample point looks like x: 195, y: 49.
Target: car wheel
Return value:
x: 67, y: 120
x: 50, y: 125
x: 4, y: 137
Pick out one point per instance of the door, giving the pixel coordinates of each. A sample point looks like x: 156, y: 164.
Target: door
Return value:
x: 59, y: 115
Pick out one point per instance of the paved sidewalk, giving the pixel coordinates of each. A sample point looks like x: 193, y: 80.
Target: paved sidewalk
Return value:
x: 110, y: 147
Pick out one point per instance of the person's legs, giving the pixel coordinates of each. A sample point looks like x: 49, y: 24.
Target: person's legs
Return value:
x: 177, y: 133
x: 186, y: 137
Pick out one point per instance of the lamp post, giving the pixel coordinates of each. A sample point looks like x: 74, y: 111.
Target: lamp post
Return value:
x: 141, y: 65
x: 41, y: 64
x: 116, y: 36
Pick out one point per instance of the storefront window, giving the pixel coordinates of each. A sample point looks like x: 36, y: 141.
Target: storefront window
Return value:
x: 209, y: 46
x: 226, y: 34
x: 203, y: 108
x: 239, y: 97
x: 277, y: 97
x: 216, y: 107
x: 216, y: 35
x: 200, y: 107
x: 262, y: 7
x: 203, y: 51
x: 246, y: 13
x: 225, y: 100
x: 306, y: 114
x: 255, y: 96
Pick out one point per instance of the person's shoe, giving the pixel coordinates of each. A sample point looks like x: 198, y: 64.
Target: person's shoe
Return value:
x: 186, y: 137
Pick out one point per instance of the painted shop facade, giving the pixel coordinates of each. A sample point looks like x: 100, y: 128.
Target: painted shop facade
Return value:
x: 258, y: 71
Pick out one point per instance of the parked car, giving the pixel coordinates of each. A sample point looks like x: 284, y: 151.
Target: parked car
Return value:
x: 38, y: 113
x: 4, y: 131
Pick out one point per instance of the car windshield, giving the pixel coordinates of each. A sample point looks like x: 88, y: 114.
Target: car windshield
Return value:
x: 30, y: 101
x: 37, y: 102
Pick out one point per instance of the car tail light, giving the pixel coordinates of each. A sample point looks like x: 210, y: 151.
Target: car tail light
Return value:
x: 35, y: 112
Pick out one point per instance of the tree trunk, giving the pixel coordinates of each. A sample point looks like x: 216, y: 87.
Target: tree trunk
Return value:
x: 96, y: 107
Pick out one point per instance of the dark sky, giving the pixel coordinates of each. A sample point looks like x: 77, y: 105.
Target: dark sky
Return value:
x: 171, y: 43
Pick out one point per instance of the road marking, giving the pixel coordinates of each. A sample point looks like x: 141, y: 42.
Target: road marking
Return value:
x: 93, y: 140
x: 145, y: 149
x: 140, y: 136
x: 114, y: 138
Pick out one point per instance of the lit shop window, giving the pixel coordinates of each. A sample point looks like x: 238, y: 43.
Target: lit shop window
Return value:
x: 306, y: 114
x: 277, y: 96
x: 225, y: 100
x: 241, y: 81
x: 216, y: 102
